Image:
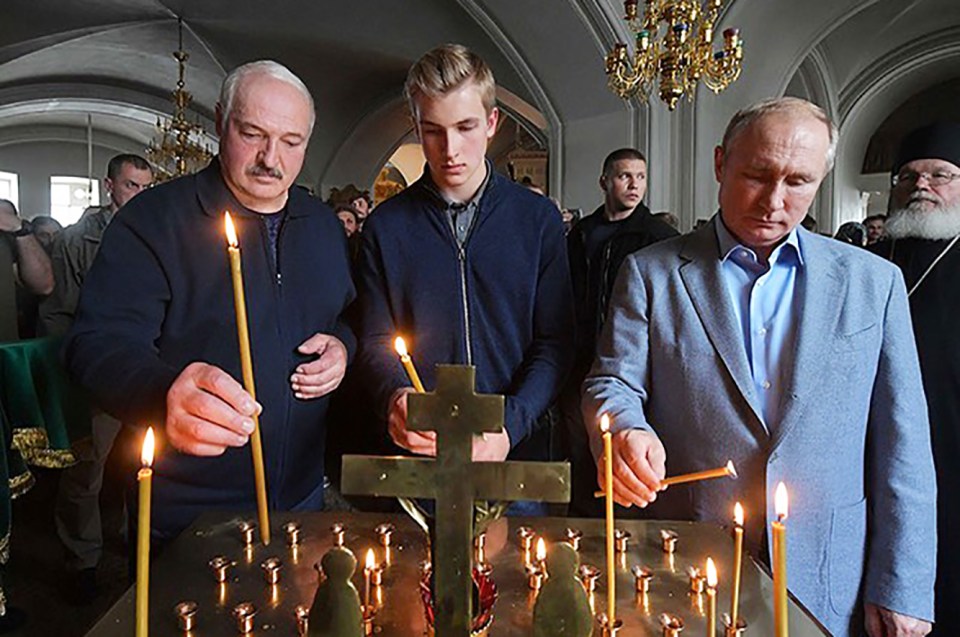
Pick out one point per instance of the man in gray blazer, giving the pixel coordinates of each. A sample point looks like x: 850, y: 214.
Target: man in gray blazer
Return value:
x: 791, y: 354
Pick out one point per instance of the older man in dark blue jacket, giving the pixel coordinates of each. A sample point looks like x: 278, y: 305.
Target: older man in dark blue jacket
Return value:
x: 155, y: 338
x: 470, y: 266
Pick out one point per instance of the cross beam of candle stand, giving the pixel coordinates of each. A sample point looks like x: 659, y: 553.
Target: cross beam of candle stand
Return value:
x: 456, y: 413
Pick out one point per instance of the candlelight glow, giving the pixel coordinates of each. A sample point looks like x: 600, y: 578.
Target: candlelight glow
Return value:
x: 371, y: 560
x: 401, y: 346
x: 780, y: 501
x: 731, y: 470
x: 604, y: 423
x: 231, y: 231
x: 738, y: 514
x: 541, y: 550
x: 146, y: 452
x: 711, y: 573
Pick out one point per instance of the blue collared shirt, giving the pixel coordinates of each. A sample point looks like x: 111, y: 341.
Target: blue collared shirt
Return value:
x: 764, y: 299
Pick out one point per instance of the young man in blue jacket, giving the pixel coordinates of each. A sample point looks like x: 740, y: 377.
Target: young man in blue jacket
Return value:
x: 155, y: 337
x: 469, y: 267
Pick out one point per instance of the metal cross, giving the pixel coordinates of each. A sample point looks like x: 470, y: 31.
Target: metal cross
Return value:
x: 456, y: 413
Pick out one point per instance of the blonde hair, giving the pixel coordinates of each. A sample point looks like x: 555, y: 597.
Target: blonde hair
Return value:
x: 445, y: 69
x: 787, y: 105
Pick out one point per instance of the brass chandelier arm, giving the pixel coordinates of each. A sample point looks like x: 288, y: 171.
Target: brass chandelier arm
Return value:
x: 679, y: 57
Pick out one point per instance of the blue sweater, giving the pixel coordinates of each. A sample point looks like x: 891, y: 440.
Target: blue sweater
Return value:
x: 159, y: 297
x: 503, y: 302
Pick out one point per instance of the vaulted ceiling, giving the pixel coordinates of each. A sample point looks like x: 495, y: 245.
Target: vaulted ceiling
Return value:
x: 60, y: 60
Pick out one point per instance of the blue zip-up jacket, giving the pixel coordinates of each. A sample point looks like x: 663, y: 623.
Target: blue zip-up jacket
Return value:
x: 503, y: 302
x: 159, y: 297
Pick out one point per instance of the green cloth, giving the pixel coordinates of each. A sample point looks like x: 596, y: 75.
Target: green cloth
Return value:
x: 36, y: 393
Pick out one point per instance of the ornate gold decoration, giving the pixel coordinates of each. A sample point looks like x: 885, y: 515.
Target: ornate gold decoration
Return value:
x: 20, y: 484
x: 34, y: 447
x: 178, y: 148
x: 680, y: 57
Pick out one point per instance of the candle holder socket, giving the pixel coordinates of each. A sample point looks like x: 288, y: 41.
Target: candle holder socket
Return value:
x: 302, y: 616
x: 672, y: 625
x: 734, y: 631
x: 535, y: 577
x: 245, y: 613
x: 220, y: 565
x: 338, y: 530
x: 669, y: 539
x: 588, y: 577
x: 574, y: 537
x: 526, y: 535
x: 620, y: 539
x: 606, y: 630
x: 186, y: 613
x: 698, y: 581
x: 376, y: 576
x: 384, y: 531
x: 642, y: 576
x: 248, y: 531
x: 271, y: 570
x: 292, y: 531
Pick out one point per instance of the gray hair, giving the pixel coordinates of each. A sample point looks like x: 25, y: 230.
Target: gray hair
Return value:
x: 790, y: 105
x: 236, y: 77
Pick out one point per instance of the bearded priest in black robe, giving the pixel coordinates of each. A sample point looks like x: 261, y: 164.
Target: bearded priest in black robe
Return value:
x: 923, y: 238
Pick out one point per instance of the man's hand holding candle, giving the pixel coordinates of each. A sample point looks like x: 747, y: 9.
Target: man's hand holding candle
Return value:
x: 208, y: 411
x: 639, y: 464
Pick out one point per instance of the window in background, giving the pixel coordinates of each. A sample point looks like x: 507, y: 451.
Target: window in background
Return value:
x: 70, y: 196
x: 10, y: 188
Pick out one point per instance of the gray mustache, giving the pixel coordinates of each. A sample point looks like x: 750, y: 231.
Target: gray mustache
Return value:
x: 259, y: 170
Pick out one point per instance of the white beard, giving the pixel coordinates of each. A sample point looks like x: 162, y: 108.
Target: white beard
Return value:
x: 942, y: 222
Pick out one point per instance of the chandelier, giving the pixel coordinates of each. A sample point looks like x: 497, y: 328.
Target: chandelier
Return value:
x: 680, y: 57
x: 178, y: 148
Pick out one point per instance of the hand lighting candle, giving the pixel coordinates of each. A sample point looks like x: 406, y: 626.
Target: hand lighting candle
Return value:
x: 246, y: 367
x: 145, y: 481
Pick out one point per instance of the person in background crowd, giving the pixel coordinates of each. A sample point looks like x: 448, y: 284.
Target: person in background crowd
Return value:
x: 47, y: 230
x: 922, y: 239
x: 875, y: 228
x: 852, y: 232
x: 668, y: 218
x: 597, y: 245
x: 77, y: 508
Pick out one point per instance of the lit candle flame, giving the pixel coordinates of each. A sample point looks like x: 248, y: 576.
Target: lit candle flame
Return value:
x: 371, y: 560
x: 780, y: 501
x: 541, y: 550
x: 711, y: 573
x: 604, y: 423
x: 231, y: 231
x: 146, y: 452
x: 738, y: 514
x: 731, y: 470
x: 401, y: 346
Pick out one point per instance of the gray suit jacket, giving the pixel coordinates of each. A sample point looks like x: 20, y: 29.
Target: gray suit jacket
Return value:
x: 852, y: 442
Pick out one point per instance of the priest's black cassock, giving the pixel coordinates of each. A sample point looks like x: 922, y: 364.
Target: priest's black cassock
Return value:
x: 935, y: 308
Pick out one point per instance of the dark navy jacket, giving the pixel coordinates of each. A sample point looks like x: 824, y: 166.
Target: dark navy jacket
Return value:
x: 159, y: 297
x: 504, y: 303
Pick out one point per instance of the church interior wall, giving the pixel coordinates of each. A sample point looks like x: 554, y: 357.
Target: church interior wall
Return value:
x: 35, y: 162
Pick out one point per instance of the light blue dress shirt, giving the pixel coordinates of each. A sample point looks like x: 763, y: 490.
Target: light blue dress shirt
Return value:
x: 766, y: 304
